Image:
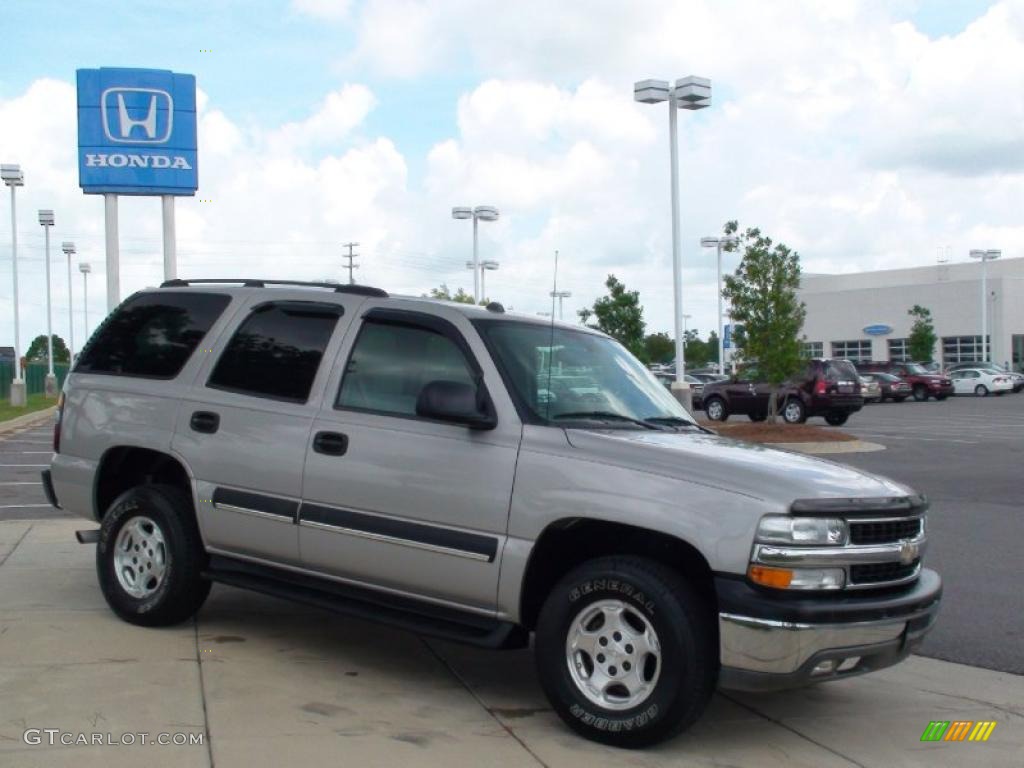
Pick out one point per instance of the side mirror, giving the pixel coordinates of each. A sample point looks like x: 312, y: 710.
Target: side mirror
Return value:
x: 456, y: 402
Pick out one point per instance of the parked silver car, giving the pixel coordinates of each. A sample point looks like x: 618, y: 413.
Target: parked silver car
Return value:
x: 478, y: 476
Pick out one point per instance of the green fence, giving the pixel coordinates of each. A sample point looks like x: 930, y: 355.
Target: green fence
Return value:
x: 35, y: 377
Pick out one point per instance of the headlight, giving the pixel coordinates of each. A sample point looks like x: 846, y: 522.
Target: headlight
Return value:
x: 814, y: 531
x: 797, y: 578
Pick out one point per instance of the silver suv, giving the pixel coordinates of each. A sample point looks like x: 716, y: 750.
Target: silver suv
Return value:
x: 478, y: 476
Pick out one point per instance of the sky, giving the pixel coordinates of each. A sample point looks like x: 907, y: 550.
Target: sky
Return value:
x: 865, y: 134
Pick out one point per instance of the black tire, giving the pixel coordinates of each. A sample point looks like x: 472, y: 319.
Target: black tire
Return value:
x: 899, y: 399
x: 794, y: 411
x: 684, y: 624
x: 940, y: 398
x: 757, y: 416
x: 981, y: 390
x: 712, y: 410
x: 181, y: 590
x: 920, y: 393
x: 836, y: 418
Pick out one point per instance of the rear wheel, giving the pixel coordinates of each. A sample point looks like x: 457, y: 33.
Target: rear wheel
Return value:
x: 920, y: 393
x: 900, y: 399
x: 836, y: 418
x: 149, y: 557
x: 794, y: 411
x: 981, y: 390
x: 715, y: 409
x: 625, y: 651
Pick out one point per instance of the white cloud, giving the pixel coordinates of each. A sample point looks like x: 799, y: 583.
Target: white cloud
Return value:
x: 329, y: 10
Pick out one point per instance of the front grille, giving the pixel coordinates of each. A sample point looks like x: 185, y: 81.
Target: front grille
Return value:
x: 884, y: 531
x: 878, y: 572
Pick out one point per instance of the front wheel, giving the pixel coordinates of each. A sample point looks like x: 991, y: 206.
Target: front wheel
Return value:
x: 794, y: 411
x: 836, y: 419
x: 981, y: 390
x: 149, y: 557
x: 920, y: 393
x: 625, y: 651
x: 715, y: 409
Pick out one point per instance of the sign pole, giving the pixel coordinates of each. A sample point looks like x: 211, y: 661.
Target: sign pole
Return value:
x: 170, y: 238
x: 113, y: 265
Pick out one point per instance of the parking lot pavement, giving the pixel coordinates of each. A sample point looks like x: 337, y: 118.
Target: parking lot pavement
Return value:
x: 266, y: 682
x: 966, y: 455
x: 24, y: 452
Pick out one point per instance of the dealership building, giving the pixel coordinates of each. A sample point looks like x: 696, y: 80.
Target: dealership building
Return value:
x: 863, y: 316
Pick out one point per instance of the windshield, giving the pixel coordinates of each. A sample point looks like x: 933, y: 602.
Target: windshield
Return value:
x: 560, y: 374
x: 914, y: 368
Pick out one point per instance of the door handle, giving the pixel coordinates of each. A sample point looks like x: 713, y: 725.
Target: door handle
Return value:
x: 330, y: 443
x: 205, y: 421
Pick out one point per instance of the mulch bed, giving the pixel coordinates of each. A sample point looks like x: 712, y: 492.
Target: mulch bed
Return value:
x: 780, y: 432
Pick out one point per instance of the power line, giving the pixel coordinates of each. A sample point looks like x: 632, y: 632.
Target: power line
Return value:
x: 350, y: 256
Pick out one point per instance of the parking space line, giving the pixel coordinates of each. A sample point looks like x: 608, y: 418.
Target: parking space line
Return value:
x: 22, y: 453
x: 882, y: 436
x: 24, y: 465
x: 20, y: 482
x: 23, y: 506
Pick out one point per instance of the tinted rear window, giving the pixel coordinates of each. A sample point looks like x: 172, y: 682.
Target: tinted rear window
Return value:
x: 152, y: 335
x: 840, y: 370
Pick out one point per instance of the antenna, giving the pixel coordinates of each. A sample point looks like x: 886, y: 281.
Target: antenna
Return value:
x: 350, y: 256
x: 551, y: 341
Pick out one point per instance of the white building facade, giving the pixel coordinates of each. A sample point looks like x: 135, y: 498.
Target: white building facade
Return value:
x: 863, y: 316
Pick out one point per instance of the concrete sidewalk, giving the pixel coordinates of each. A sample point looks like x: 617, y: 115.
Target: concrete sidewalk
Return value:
x: 267, y: 682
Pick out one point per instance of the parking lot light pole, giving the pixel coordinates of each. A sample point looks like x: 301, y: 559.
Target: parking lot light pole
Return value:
x: 985, y: 257
x: 717, y: 243
x: 69, y: 250
x: 13, y: 177
x: 561, y: 296
x: 50, y: 385
x: 689, y: 93
x: 484, y: 266
x: 480, y: 213
x: 85, y: 269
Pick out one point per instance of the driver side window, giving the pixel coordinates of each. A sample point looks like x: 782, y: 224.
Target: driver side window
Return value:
x: 391, y: 363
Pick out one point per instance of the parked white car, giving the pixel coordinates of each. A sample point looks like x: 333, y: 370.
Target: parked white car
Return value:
x: 975, y: 381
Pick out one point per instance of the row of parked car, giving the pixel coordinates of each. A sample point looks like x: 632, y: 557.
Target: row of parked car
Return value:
x: 834, y: 389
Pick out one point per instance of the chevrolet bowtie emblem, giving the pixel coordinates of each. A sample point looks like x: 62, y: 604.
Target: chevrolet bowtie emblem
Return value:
x: 909, y: 551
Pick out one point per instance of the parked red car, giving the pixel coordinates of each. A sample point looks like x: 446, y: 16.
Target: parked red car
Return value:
x: 922, y: 383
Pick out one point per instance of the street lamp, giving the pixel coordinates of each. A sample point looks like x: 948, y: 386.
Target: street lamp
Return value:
x: 717, y: 243
x: 50, y: 385
x: 985, y: 256
x: 560, y: 295
x: 689, y: 93
x: 85, y: 269
x: 480, y: 213
x: 69, y: 250
x: 14, y: 178
x: 484, y: 266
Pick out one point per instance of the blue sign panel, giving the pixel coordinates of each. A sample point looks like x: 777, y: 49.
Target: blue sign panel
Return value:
x: 878, y: 329
x: 136, y: 132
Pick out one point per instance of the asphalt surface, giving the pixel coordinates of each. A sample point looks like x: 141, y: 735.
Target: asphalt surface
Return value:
x: 966, y: 454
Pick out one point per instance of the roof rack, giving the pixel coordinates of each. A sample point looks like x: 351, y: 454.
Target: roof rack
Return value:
x: 359, y: 290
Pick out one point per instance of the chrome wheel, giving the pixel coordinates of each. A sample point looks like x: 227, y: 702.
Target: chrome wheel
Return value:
x: 613, y: 654
x: 793, y: 412
x: 715, y: 410
x: 140, y: 557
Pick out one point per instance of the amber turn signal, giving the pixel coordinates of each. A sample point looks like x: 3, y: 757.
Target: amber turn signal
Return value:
x: 779, y: 578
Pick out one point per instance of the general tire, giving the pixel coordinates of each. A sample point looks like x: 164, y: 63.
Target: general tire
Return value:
x: 161, y: 515
x: 794, y: 411
x: 920, y: 393
x: 715, y: 409
x: 653, y: 596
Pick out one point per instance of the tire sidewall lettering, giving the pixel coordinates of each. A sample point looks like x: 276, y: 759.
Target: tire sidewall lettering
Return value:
x: 596, y: 586
x: 615, y: 724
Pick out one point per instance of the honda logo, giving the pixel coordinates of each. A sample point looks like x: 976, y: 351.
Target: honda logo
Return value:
x: 137, y: 115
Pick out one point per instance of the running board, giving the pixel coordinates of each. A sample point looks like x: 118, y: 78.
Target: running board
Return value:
x: 90, y: 536
x: 401, y: 612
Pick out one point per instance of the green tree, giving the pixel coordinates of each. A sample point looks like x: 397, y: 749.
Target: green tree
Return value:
x: 37, y: 350
x: 764, y: 302
x: 459, y: 297
x: 659, y: 348
x: 620, y: 315
x: 921, y: 342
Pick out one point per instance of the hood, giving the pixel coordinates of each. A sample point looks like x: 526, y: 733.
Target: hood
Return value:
x: 754, y: 470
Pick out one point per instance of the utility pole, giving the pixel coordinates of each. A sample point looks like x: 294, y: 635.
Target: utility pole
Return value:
x: 351, y: 265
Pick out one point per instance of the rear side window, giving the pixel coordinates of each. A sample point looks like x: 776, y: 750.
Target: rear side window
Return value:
x: 277, y: 350
x: 152, y: 335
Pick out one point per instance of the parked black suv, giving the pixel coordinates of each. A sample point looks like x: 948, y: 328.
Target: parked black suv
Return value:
x: 829, y: 388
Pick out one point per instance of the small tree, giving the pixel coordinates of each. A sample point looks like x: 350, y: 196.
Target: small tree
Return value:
x: 459, y: 297
x: 921, y: 342
x: 764, y: 302
x: 37, y: 350
x: 620, y: 315
x: 659, y: 347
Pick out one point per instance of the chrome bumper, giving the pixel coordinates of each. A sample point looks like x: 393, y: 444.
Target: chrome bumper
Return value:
x: 759, y: 653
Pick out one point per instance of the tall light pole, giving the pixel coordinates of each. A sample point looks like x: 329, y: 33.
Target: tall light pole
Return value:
x: 85, y: 269
x: 484, y: 267
x: 480, y: 213
x: 985, y: 256
x: 689, y: 93
x: 560, y: 295
x: 717, y: 243
x: 69, y: 250
x: 14, y: 178
x: 50, y: 385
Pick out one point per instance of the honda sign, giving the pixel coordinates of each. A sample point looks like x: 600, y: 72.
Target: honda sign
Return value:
x: 136, y: 132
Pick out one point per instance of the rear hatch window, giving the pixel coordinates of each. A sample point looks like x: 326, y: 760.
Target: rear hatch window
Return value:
x: 840, y: 370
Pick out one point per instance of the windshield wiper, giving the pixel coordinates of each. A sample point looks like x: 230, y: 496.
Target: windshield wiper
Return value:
x: 672, y: 421
x: 604, y: 416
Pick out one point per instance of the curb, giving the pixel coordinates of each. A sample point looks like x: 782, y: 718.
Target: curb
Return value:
x: 28, y: 420
x: 846, y: 446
